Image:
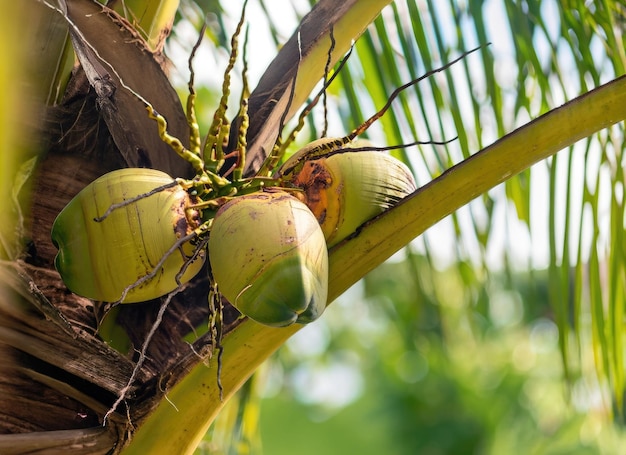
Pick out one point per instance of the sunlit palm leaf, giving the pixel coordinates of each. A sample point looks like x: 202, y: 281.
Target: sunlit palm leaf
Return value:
x: 556, y: 52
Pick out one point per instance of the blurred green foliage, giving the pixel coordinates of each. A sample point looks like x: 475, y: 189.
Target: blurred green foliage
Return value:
x: 476, y: 373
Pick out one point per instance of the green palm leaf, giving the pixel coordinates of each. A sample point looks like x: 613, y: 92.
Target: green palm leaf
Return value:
x: 541, y: 56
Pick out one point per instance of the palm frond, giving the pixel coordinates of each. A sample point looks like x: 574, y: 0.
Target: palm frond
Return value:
x: 540, y: 56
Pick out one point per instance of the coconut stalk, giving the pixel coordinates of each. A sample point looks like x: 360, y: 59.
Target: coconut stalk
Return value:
x: 196, y: 398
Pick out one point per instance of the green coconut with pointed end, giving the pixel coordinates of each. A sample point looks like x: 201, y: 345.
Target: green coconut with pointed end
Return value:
x: 104, y: 259
x: 345, y: 188
x: 269, y: 258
